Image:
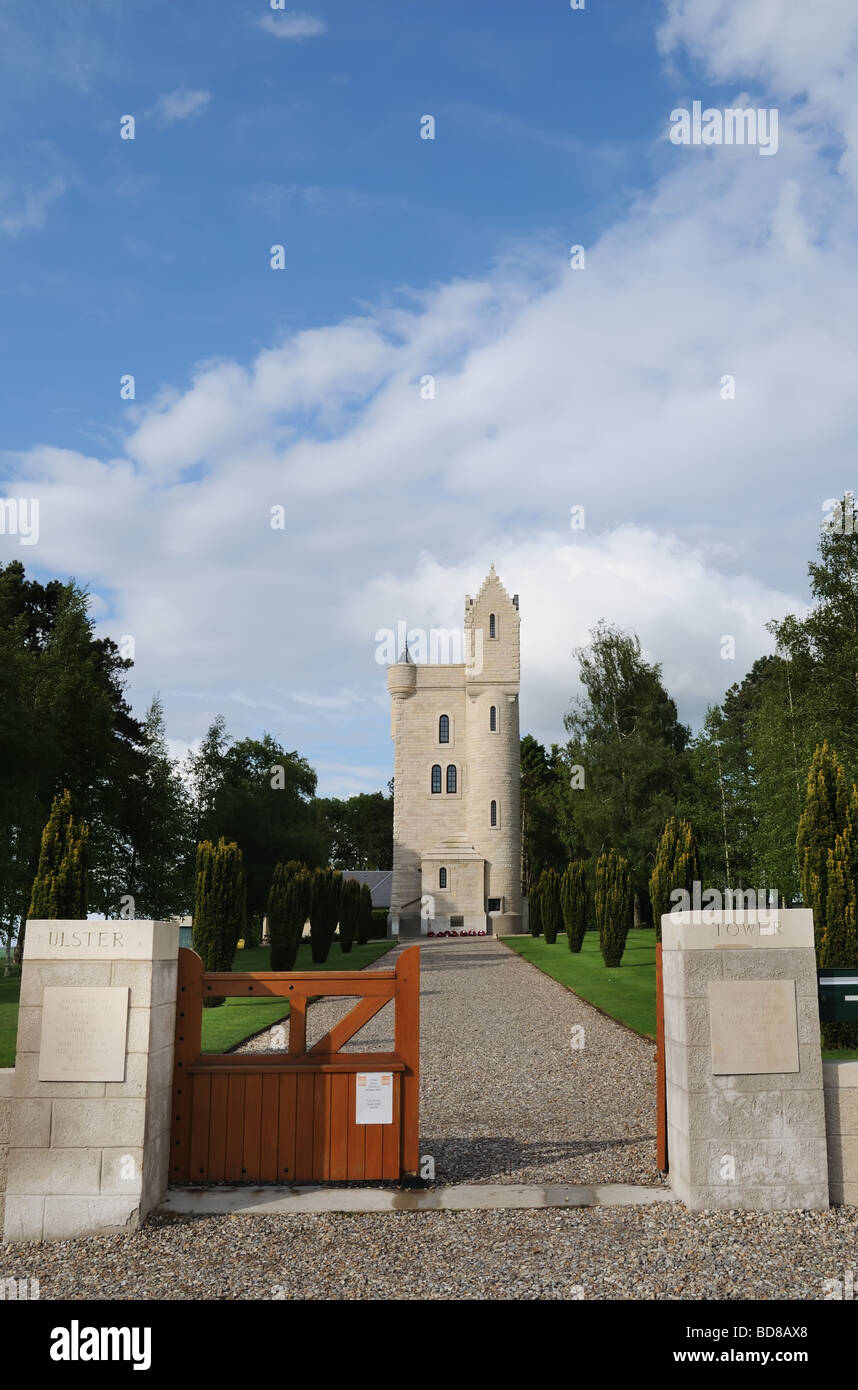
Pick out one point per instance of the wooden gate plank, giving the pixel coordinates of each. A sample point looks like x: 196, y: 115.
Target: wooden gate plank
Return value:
x: 339, y: 1127
x: 268, y: 1134
x: 200, y: 1107
x: 356, y: 1137
x: 407, y: 1046
x: 391, y: 1135
x: 217, y: 1127
x: 286, y: 1127
x: 252, y: 1127
x: 304, y: 1128
x: 189, y: 1007
x: 322, y: 1128
x: 235, y: 1128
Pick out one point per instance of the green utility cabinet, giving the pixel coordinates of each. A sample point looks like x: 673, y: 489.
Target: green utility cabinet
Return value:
x: 838, y: 995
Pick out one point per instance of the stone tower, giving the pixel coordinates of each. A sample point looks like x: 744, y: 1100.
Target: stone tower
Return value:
x: 456, y: 807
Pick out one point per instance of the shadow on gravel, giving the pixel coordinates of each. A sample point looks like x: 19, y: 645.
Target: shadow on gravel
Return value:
x: 483, y: 1159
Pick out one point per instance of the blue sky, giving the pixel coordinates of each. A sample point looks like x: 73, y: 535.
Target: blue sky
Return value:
x: 404, y: 256
x: 155, y: 255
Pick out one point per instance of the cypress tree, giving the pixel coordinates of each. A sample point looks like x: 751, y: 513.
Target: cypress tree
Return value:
x: 574, y: 902
x: 364, y: 925
x: 839, y: 948
x: 288, y: 909
x: 613, y: 905
x: 825, y: 816
x: 534, y: 904
x: 219, y: 906
x: 324, y: 912
x: 549, y: 901
x: 60, y: 888
x: 349, y: 913
x: 677, y: 865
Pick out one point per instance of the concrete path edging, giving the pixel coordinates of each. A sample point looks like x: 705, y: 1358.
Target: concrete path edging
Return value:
x: 267, y: 1201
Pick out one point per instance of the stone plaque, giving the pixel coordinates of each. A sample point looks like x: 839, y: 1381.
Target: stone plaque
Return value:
x: 83, y: 1034
x: 754, y: 1027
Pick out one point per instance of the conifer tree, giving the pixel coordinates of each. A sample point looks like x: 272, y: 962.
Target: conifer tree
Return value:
x: 839, y: 948
x: 364, y: 926
x: 825, y: 816
x: 549, y: 901
x: 219, y: 905
x: 677, y: 865
x: 534, y: 908
x: 574, y: 902
x: 613, y: 905
x: 288, y: 909
x: 60, y: 886
x: 349, y: 913
x: 324, y: 912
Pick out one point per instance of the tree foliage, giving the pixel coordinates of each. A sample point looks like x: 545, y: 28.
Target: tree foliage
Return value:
x: 220, y: 905
x: 677, y: 865
x: 61, y: 886
x: 288, y: 909
x: 575, y: 902
x: 612, y: 902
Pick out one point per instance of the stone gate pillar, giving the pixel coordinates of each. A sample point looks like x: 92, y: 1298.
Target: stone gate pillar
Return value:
x: 745, y: 1100
x: 91, y: 1103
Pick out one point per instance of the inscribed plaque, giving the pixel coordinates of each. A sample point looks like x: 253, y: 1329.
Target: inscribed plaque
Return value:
x: 754, y: 1027
x: 83, y: 1033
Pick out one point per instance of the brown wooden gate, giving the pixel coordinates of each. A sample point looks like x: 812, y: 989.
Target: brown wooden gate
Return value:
x: 275, y: 1117
x: 661, y: 1074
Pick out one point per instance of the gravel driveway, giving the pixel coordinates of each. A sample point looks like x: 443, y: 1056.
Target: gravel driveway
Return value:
x: 504, y: 1096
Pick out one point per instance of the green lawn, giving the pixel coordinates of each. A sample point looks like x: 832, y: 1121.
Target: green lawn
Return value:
x: 225, y: 1027
x: 9, y: 990
x: 626, y: 993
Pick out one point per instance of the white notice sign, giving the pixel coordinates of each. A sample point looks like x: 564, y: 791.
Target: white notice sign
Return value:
x: 83, y: 1033
x: 374, y: 1098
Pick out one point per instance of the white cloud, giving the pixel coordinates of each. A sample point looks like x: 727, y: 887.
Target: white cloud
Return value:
x: 292, y: 26
x: 179, y: 105
x: 25, y: 211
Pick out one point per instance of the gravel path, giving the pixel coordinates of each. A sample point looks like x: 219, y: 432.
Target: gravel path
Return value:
x: 504, y: 1097
x: 660, y: 1252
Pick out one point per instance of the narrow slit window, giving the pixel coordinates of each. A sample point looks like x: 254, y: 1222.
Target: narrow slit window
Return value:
x: 493, y: 631
x: 493, y: 719
x: 494, y: 813
x: 442, y: 878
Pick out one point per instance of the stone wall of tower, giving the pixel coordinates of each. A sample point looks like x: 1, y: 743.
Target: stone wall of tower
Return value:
x: 423, y: 820
x: 492, y: 681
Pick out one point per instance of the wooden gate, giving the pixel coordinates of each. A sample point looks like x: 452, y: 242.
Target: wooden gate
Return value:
x: 287, y: 1118
x: 661, y: 1075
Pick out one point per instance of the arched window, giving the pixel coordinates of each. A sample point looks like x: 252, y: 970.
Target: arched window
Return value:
x: 436, y: 778
x: 451, y: 778
x: 444, y: 729
x: 493, y: 631
x: 442, y: 878
x: 494, y: 813
x: 493, y: 719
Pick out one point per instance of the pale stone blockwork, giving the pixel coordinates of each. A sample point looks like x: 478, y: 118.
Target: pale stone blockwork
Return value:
x: 840, y: 1080
x: 468, y: 833
x: 754, y: 1140
x: 88, y: 1157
